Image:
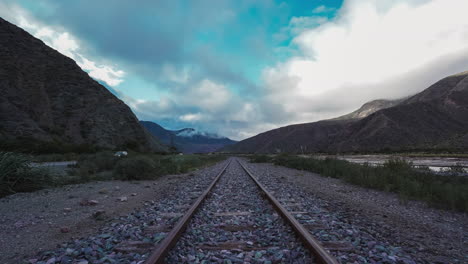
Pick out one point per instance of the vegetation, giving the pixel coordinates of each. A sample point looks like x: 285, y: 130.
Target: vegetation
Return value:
x: 135, y: 168
x: 16, y: 175
x: 151, y: 167
x: 442, y: 191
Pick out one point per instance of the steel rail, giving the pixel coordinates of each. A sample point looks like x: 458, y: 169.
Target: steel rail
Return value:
x: 312, y: 244
x: 158, y: 255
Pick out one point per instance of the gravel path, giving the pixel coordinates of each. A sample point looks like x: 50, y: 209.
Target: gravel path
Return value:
x: 368, y: 226
x: 238, y: 225
x: 67, y: 225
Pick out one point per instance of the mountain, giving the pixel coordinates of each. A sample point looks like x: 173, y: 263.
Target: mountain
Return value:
x: 435, y: 119
x: 47, y: 99
x: 188, y: 140
x: 369, y: 108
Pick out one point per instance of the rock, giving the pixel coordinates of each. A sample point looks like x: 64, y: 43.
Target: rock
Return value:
x: 99, y: 214
x: 122, y: 199
x: 64, y: 229
x: 86, y: 202
x: 133, y: 246
x: 103, y: 191
x: 134, y: 194
x: 67, y: 210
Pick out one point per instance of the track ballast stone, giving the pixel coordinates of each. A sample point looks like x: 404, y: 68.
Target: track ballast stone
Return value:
x: 236, y: 224
x: 347, y: 242
x: 130, y: 239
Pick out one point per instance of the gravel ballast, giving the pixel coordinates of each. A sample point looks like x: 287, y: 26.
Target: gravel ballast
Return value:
x: 236, y: 224
x: 375, y: 225
x: 95, y: 222
x: 121, y: 222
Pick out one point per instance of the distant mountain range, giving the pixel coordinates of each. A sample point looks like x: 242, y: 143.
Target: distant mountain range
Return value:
x: 46, y: 99
x: 188, y: 140
x: 435, y: 119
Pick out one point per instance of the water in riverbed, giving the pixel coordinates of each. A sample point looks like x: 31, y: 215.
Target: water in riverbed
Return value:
x: 437, y: 164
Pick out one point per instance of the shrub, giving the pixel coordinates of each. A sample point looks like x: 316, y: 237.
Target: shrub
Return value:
x: 16, y: 175
x: 135, y: 168
x: 91, y: 164
x: 448, y: 192
x: 260, y: 159
x: 175, y: 164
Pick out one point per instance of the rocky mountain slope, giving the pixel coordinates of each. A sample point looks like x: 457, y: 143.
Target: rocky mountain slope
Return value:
x: 369, y: 108
x: 436, y: 118
x: 188, y: 140
x: 46, y: 97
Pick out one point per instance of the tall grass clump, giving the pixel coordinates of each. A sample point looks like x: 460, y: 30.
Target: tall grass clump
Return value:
x: 260, y: 158
x: 135, y: 168
x: 92, y: 164
x: 175, y: 164
x: 17, y: 175
x: 448, y: 191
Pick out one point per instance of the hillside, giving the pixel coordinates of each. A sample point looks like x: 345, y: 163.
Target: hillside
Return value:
x: 48, y: 100
x: 436, y: 118
x: 369, y: 108
x: 188, y: 140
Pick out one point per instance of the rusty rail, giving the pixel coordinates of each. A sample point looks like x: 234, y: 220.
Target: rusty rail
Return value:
x: 312, y: 244
x: 157, y: 257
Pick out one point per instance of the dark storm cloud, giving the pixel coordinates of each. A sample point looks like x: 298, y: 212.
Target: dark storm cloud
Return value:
x: 145, y: 35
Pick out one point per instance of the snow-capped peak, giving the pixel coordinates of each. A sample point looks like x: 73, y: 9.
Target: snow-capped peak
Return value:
x: 190, y: 132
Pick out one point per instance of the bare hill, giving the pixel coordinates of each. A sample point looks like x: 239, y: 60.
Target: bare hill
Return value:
x: 436, y: 118
x: 46, y: 97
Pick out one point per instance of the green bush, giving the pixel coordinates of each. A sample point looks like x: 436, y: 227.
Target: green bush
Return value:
x: 16, y: 175
x: 135, y: 168
x: 92, y: 164
x: 399, y: 176
x: 175, y: 164
x: 260, y: 159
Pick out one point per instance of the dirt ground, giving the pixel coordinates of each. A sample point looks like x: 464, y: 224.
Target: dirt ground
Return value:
x: 31, y: 222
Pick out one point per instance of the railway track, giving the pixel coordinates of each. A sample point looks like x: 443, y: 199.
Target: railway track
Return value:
x: 237, y: 220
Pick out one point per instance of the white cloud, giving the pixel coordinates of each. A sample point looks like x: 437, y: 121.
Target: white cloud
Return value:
x: 170, y: 73
x: 322, y: 9
x: 191, y: 117
x: 101, y: 72
x: 63, y: 42
x: 373, y: 49
x: 208, y: 95
x: 298, y: 25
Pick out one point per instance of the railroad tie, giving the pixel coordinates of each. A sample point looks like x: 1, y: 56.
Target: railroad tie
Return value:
x: 233, y: 214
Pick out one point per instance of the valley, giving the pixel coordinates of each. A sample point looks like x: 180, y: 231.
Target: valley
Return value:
x: 226, y: 132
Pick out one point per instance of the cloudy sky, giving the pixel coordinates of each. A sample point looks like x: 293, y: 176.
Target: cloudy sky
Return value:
x: 240, y: 67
